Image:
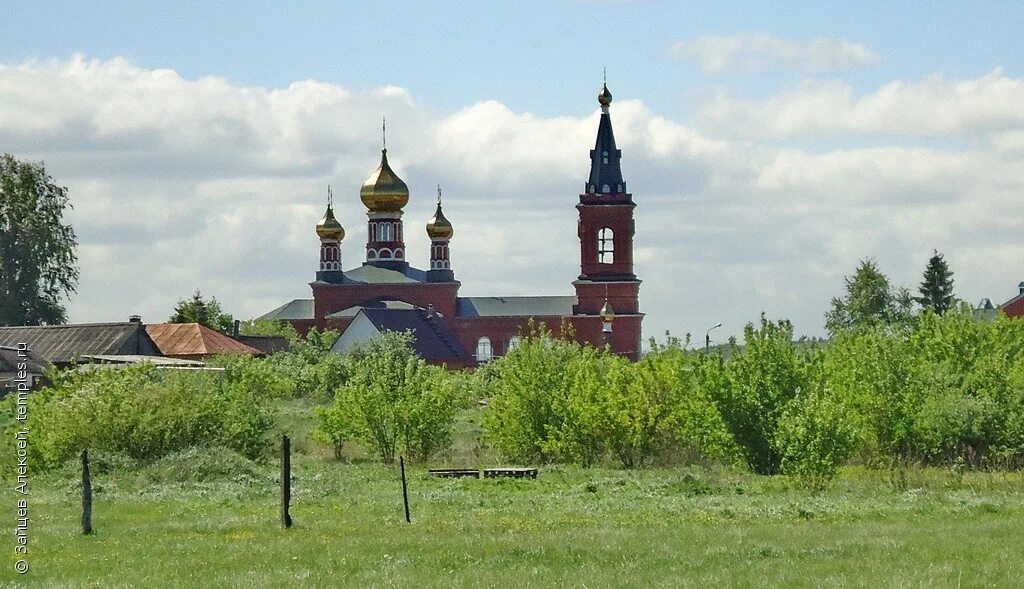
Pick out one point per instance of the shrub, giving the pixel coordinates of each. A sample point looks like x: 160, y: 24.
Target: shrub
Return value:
x: 145, y: 413
x: 761, y: 379
x: 392, y: 402
x: 815, y: 434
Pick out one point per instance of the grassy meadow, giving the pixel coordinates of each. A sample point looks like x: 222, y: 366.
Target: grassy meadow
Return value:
x: 211, y: 520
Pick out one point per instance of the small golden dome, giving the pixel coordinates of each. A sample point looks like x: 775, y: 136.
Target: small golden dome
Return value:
x: 604, y: 97
x: 329, y: 227
x: 384, y: 191
x: 607, y: 314
x: 438, y: 227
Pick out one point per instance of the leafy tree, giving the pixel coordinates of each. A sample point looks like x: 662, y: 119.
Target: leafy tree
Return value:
x: 392, y: 402
x: 869, y: 301
x: 270, y: 327
x: 202, y: 311
x: 38, y: 265
x: 937, y: 287
x: 761, y: 378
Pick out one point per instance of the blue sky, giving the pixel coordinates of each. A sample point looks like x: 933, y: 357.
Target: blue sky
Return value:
x: 535, y: 56
x: 770, y: 146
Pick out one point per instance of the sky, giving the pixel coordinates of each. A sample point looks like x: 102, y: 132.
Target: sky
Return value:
x: 769, y: 146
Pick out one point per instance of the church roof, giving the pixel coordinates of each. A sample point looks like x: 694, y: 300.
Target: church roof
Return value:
x: 291, y: 311
x: 379, y: 303
x: 370, y: 274
x: 434, y: 339
x: 515, y: 306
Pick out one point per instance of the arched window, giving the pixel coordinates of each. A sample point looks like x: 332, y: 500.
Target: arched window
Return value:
x: 513, y: 342
x: 483, y: 349
x: 384, y: 232
x: 605, y: 246
x: 604, y: 155
x: 606, y: 189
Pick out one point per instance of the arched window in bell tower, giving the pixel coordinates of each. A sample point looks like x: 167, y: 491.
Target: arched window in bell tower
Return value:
x: 605, y: 246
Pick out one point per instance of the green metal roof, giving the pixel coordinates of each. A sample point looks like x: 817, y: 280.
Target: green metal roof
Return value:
x: 515, y: 306
x: 297, y: 309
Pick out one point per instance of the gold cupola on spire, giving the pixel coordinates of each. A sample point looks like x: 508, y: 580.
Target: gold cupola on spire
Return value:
x: 328, y: 227
x: 384, y: 191
x: 439, y: 227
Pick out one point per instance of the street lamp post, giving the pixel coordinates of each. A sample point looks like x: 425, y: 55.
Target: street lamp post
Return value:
x: 707, y: 337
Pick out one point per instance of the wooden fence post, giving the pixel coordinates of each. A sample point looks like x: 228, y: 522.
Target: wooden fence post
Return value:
x: 86, y: 495
x: 405, y: 490
x: 286, y: 481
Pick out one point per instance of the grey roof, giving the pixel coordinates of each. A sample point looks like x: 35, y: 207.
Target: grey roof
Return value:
x: 434, y: 339
x: 378, y: 303
x: 268, y: 344
x: 516, y: 306
x: 370, y: 274
x: 297, y: 309
x: 11, y: 357
x: 61, y: 344
x: 138, y: 359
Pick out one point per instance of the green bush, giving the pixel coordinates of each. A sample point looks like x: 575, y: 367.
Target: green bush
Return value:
x: 146, y: 413
x: 761, y: 378
x: 816, y: 433
x: 392, y: 402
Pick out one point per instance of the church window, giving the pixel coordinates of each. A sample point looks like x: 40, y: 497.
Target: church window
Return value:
x: 483, y: 349
x: 385, y: 232
x: 606, y: 189
x: 605, y: 246
x: 605, y: 156
x: 513, y: 342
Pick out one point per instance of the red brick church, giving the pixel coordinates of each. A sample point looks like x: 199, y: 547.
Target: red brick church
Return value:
x: 386, y: 293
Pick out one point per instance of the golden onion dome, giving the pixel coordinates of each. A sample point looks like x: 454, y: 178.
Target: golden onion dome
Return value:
x: 384, y: 191
x: 604, y: 97
x: 438, y: 227
x: 607, y: 314
x: 329, y: 227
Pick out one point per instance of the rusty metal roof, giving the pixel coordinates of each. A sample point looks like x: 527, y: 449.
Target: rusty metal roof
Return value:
x: 193, y: 339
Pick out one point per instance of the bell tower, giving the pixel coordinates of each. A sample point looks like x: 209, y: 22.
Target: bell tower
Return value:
x: 606, y: 230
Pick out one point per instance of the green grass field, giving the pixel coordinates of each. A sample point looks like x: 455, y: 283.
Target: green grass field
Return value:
x: 668, y: 527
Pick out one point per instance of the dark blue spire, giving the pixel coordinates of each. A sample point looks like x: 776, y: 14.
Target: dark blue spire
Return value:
x: 605, y: 171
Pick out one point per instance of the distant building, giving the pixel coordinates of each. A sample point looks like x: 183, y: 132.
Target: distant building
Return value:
x: 63, y: 345
x: 21, y: 365
x: 386, y: 292
x: 1012, y: 308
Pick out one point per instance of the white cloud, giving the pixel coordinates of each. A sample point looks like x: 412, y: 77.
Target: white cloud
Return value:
x: 716, y: 54
x: 181, y: 184
x: 935, y: 106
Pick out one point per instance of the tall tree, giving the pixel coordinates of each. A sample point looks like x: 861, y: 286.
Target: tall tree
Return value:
x: 937, y: 287
x: 202, y: 311
x: 869, y: 301
x: 38, y: 265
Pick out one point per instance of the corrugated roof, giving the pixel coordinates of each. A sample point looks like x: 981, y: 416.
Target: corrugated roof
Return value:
x: 296, y: 309
x: 62, y: 343
x: 516, y: 306
x: 193, y: 339
x: 434, y: 339
x: 11, y: 357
